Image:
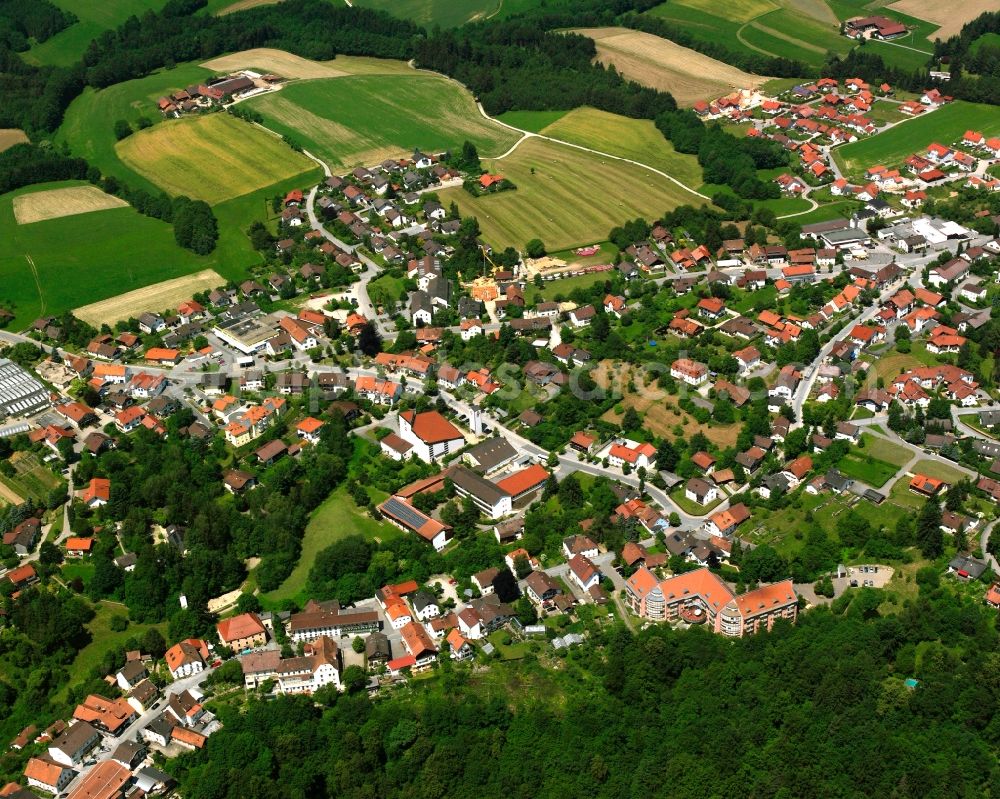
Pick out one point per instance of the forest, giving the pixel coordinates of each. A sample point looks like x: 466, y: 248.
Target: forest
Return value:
x: 818, y: 709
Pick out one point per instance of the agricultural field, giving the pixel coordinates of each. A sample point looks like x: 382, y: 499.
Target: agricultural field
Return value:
x: 54, y: 203
x: 566, y: 197
x: 11, y: 136
x: 947, y: 18
x: 212, y: 158
x: 364, y: 119
x: 69, y: 45
x: 636, y: 139
x: 32, y: 479
x: 443, y: 13
x: 156, y: 297
x: 222, y: 7
x: 534, y: 121
x: 59, y: 264
x: 279, y: 62
x: 915, y: 55
x: 88, y: 125
x: 946, y: 125
x: 687, y: 74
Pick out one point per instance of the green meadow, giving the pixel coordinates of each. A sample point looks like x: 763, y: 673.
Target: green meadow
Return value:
x: 364, y: 119
x: 946, y: 126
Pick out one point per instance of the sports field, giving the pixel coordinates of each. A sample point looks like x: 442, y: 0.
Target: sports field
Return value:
x: 946, y: 126
x: 364, y: 119
x: 95, y: 17
x: 444, y: 13
x: 212, y: 158
x: 637, y: 139
x: 564, y: 196
x: 11, y: 136
x: 688, y: 75
x: 154, y: 298
x: 54, y: 203
x: 59, y: 264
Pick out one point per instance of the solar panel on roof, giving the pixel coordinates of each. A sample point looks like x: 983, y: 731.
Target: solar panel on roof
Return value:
x: 407, y: 514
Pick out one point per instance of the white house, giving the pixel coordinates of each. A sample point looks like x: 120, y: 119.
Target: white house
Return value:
x: 583, y: 572
x: 431, y: 435
x: 47, y: 775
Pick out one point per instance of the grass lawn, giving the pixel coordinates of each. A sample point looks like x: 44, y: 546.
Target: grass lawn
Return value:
x: 867, y: 469
x: 686, y: 505
x: 565, y: 197
x: 946, y: 125
x: 887, y: 451
x: 535, y: 121
x: 515, y: 651
x: 82, y: 568
x: 60, y: 264
x: 827, y: 212
x: 214, y: 158
x: 338, y: 517
x: 563, y: 286
x: 430, y: 13
x: 363, y: 119
x: 902, y: 496
x: 986, y: 40
x: 385, y: 289
x: 636, y: 139
x: 93, y: 18
x: 942, y: 471
x: 103, y: 639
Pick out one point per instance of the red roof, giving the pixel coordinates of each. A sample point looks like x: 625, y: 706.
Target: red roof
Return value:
x: 431, y: 427
x: 99, y: 489
x: 523, y: 481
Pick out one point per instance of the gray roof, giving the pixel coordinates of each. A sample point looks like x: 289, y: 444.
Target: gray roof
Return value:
x: 421, y: 600
x: 491, y: 453
x: 472, y: 483
x: 974, y: 568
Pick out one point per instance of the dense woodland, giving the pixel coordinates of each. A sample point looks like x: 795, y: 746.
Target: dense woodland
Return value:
x: 819, y: 709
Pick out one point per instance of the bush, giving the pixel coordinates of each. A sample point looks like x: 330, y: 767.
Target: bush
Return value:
x: 118, y: 624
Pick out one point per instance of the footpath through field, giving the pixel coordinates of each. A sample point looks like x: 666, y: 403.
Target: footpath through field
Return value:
x: 527, y: 134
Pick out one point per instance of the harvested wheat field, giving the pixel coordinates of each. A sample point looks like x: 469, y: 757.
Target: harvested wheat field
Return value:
x: 54, y: 203
x: 950, y: 16
x: 688, y: 75
x: 157, y: 297
x: 242, y: 5
x: 660, y: 414
x: 11, y: 136
x: 277, y: 61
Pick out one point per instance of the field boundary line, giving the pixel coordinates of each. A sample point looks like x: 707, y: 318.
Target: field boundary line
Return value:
x: 745, y: 43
